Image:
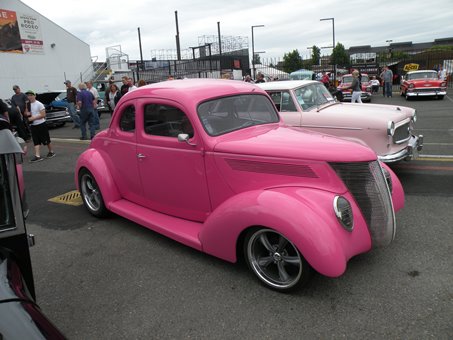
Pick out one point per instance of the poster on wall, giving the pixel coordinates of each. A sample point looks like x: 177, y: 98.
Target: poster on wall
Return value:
x: 20, y: 33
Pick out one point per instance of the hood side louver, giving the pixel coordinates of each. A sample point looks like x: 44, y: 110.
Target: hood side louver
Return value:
x: 272, y: 168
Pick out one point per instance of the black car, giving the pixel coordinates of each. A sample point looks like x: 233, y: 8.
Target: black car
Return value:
x: 21, y: 318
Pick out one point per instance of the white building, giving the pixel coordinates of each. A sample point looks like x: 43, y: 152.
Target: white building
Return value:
x: 36, y: 53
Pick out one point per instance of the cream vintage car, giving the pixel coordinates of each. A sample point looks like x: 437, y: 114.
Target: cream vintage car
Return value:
x: 387, y: 129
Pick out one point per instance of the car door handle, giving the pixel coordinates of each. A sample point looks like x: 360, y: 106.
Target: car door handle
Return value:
x: 140, y: 155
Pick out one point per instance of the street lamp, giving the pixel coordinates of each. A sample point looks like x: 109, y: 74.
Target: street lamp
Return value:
x: 253, y: 51
x: 333, y: 46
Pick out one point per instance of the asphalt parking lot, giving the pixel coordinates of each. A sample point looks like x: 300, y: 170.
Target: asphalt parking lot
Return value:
x: 112, y: 279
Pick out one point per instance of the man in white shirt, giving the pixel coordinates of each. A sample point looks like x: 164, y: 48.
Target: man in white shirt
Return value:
x: 39, y: 131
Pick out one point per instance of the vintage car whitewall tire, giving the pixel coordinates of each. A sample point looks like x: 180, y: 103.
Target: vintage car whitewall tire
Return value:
x: 275, y: 260
x: 91, y: 194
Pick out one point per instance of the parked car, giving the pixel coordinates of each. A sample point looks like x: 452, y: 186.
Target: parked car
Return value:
x: 62, y: 101
x: 346, y: 81
x: 21, y: 318
x: 387, y: 129
x: 209, y: 164
x: 424, y: 83
x: 56, y: 115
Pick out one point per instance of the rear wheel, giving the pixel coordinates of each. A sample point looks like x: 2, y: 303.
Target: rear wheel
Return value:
x: 91, y: 194
x: 275, y: 260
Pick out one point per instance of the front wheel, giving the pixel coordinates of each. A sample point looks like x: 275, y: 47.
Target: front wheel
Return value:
x: 91, y: 194
x: 275, y: 260
x: 440, y: 97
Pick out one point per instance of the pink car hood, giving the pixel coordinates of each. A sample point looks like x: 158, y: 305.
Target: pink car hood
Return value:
x: 296, y: 143
x: 372, y: 114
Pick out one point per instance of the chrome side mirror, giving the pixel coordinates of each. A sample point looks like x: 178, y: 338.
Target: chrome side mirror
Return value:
x: 184, y: 137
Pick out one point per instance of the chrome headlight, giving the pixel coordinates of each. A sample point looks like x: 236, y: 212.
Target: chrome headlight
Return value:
x: 390, y: 128
x: 414, y: 117
x: 343, y: 211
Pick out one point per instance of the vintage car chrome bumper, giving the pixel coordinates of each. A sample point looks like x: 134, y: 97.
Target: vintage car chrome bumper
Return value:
x: 426, y: 93
x: 411, y: 151
x: 364, y: 96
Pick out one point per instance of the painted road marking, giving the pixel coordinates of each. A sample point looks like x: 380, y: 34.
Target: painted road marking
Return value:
x: 70, y: 198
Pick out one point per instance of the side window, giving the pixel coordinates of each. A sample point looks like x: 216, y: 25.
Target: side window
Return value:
x: 287, y: 102
x: 165, y: 120
x: 277, y: 99
x: 127, y: 122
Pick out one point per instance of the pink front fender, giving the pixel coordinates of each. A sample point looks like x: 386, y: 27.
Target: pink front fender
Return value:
x: 93, y: 161
x: 304, y: 216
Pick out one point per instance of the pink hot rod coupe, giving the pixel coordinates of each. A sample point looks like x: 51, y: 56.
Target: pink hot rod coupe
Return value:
x: 210, y: 164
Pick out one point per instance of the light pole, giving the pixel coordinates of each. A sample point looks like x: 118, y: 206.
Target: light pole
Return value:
x: 333, y: 47
x: 253, y: 52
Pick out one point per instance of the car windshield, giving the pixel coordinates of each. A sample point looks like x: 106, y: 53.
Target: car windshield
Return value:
x: 348, y: 79
x: 313, y: 95
x: 223, y: 115
x: 422, y: 75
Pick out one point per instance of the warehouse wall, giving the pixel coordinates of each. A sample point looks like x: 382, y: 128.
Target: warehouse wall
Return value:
x: 57, y: 54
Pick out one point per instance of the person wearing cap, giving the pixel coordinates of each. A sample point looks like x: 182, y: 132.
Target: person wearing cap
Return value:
x: 39, y: 131
x: 71, y: 96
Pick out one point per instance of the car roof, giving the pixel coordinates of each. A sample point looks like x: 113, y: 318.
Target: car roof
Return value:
x: 285, y: 85
x: 194, y: 90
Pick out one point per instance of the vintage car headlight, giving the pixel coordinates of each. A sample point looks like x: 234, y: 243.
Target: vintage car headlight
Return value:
x: 443, y: 84
x: 343, y: 211
x: 414, y: 117
x: 390, y: 128
x: 411, y: 86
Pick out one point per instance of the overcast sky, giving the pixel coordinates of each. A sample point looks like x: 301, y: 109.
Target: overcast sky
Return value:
x: 289, y: 24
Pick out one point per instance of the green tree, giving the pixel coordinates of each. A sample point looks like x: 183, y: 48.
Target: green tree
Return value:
x: 339, y: 56
x: 292, y: 61
x: 257, y: 59
x: 315, y: 55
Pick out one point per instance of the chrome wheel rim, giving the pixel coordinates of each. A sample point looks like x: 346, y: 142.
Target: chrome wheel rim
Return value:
x: 274, y: 259
x: 90, y: 192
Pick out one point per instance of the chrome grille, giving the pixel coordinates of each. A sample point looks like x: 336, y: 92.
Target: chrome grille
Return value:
x: 427, y: 89
x: 366, y: 182
x: 402, y: 133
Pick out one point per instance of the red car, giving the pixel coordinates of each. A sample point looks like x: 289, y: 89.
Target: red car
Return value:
x: 346, y: 81
x: 424, y: 83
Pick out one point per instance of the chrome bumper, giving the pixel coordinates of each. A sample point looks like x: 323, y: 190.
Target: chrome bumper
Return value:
x: 423, y: 94
x: 415, y: 145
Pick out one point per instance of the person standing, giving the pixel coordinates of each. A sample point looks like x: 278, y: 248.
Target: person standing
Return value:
x: 355, y: 87
x: 18, y: 118
x: 85, y: 103
x: 95, y: 94
x: 113, y: 96
x: 39, y: 131
x: 130, y: 84
x: 125, y: 86
x: 388, y: 81
x: 71, y: 96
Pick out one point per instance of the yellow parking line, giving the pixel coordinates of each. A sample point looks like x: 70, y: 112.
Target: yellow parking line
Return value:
x: 435, y: 159
x: 69, y: 198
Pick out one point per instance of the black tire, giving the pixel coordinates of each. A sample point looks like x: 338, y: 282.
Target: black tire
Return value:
x: 91, y: 194
x: 275, y: 261
x: 440, y: 97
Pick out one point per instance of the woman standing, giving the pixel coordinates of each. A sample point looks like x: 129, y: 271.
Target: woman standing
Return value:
x: 114, y: 96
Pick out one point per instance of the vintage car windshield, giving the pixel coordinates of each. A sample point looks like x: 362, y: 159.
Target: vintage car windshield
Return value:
x: 422, y: 75
x: 227, y: 114
x: 348, y: 79
x: 313, y: 95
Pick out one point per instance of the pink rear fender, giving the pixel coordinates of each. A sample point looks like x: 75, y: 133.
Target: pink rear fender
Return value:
x: 304, y: 216
x: 397, y: 190
x: 93, y: 161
